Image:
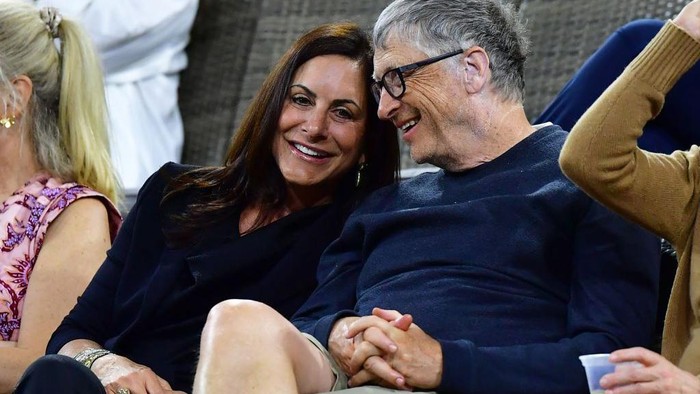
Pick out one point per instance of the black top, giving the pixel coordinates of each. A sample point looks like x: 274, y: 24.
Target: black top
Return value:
x: 149, y: 301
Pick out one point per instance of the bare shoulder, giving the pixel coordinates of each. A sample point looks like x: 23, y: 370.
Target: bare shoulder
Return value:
x: 87, y: 215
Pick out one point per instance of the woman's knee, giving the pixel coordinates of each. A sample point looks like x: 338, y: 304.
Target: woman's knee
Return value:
x: 233, y: 317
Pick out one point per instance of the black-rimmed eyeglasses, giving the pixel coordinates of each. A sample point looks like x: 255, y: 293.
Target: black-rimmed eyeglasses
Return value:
x: 393, y: 80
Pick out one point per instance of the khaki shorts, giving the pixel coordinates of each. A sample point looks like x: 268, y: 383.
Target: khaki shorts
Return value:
x: 341, y: 381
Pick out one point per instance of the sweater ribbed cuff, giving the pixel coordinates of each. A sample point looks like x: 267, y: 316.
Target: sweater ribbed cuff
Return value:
x: 667, y: 57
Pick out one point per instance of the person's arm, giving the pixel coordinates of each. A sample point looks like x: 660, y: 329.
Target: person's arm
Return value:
x: 74, y: 246
x: 601, y: 153
x: 115, y: 371
x: 331, y: 307
x: 335, y: 294
x: 90, y: 323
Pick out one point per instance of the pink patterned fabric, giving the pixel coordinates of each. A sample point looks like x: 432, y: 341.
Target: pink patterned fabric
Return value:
x: 24, y: 219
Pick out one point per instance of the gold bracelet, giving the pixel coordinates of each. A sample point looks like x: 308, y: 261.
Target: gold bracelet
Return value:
x: 89, y: 355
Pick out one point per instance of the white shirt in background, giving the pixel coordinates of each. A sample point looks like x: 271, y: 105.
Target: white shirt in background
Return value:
x: 141, y: 44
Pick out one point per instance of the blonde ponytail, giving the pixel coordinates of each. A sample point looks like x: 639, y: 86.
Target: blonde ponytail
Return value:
x: 82, y: 117
x: 67, y: 107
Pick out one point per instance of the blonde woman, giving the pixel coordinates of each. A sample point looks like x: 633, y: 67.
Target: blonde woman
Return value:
x: 56, y: 182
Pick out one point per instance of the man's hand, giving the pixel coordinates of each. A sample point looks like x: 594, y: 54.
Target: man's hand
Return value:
x: 689, y: 19
x: 657, y: 375
x: 401, y: 354
x: 340, y: 346
x: 117, y: 372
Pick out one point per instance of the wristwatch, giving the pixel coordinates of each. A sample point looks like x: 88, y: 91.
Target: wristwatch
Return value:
x: 89, y: 355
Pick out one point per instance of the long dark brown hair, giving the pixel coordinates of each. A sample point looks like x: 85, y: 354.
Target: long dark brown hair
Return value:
x: 251, y: 175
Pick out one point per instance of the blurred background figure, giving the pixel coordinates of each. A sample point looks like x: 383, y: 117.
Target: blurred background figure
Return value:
x: 56, y: 179
x: 142, y: 48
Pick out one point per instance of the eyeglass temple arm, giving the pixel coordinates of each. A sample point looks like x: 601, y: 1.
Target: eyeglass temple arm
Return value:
x: 429, y: 61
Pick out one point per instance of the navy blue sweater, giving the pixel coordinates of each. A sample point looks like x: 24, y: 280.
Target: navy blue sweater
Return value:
x: 513, y: 269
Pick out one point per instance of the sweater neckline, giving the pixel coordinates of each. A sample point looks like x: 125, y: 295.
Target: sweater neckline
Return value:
x: 512, y: 155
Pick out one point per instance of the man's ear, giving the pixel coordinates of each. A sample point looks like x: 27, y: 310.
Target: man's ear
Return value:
x: 475, y: 62
x: 23, y: 87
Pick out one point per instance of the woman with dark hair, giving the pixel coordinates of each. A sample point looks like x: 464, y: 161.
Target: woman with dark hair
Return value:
x: 309, y: 148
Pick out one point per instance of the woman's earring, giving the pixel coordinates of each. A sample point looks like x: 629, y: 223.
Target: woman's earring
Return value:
x: 7, y: 121
x: 360, y: 170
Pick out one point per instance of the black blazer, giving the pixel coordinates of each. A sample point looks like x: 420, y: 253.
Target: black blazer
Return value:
x: 149, y: 301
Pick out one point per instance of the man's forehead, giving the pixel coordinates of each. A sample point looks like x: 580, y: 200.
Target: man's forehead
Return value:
x: 393, y: 54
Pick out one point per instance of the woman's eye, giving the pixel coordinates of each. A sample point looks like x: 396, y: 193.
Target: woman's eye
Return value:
x: 343, y: 113
x: 301, y: 100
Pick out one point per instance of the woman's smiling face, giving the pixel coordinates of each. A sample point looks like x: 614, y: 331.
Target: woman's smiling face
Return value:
x: 322, y: 124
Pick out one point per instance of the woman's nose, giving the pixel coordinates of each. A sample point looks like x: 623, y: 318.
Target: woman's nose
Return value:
x: 315, y: 125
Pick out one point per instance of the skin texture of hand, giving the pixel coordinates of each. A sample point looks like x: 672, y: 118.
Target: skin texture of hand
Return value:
x: 343, y: 348
x: 657, y: 375
x: 117, y: 372
x: 339, y: 345
x: 689, y: 19
x: 415, y: 362
x: 371, y: 351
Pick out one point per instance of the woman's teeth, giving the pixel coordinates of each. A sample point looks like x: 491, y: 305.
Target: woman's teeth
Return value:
x: 307, y: 151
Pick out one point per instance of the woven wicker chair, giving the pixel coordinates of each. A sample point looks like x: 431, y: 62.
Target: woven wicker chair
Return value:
x: 220, y: 43
x: 565, y: 33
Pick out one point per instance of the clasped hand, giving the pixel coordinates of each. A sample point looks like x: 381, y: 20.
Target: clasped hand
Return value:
x: 387, y: 349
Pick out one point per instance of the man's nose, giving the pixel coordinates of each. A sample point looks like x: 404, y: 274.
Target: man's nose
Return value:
x: 387, y: 105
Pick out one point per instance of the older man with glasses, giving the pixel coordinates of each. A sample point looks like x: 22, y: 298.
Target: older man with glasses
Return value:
x: 491, y: 275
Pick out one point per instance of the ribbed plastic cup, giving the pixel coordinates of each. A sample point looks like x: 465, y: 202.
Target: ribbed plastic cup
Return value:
x: 597, y: 365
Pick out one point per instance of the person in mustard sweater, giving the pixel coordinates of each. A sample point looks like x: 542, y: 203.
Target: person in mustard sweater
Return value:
x: 659, y: 191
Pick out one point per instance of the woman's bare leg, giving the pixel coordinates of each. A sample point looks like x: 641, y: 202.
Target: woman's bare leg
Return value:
x: 247, y: 347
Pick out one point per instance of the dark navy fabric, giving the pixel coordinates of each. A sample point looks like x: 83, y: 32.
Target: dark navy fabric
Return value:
x: 509, y: 265
x: 58, y: 374
x: 677, y: 125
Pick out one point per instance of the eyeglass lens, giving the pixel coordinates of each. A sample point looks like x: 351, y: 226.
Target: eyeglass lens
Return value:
x: 392, y: 82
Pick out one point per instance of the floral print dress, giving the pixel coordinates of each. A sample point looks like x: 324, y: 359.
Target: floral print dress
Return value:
x: 24, y: 219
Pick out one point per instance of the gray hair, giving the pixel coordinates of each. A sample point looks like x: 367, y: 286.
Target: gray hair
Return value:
x: 439, y: 26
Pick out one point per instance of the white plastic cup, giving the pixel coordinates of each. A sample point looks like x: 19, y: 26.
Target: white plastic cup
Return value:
x: 597, y: 365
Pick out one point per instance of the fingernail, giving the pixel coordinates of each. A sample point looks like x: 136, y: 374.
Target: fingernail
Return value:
x: 400, y: 382
x: 393, y: 348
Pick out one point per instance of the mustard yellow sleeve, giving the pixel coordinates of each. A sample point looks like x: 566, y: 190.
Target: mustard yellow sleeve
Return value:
x: 601, y: 153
